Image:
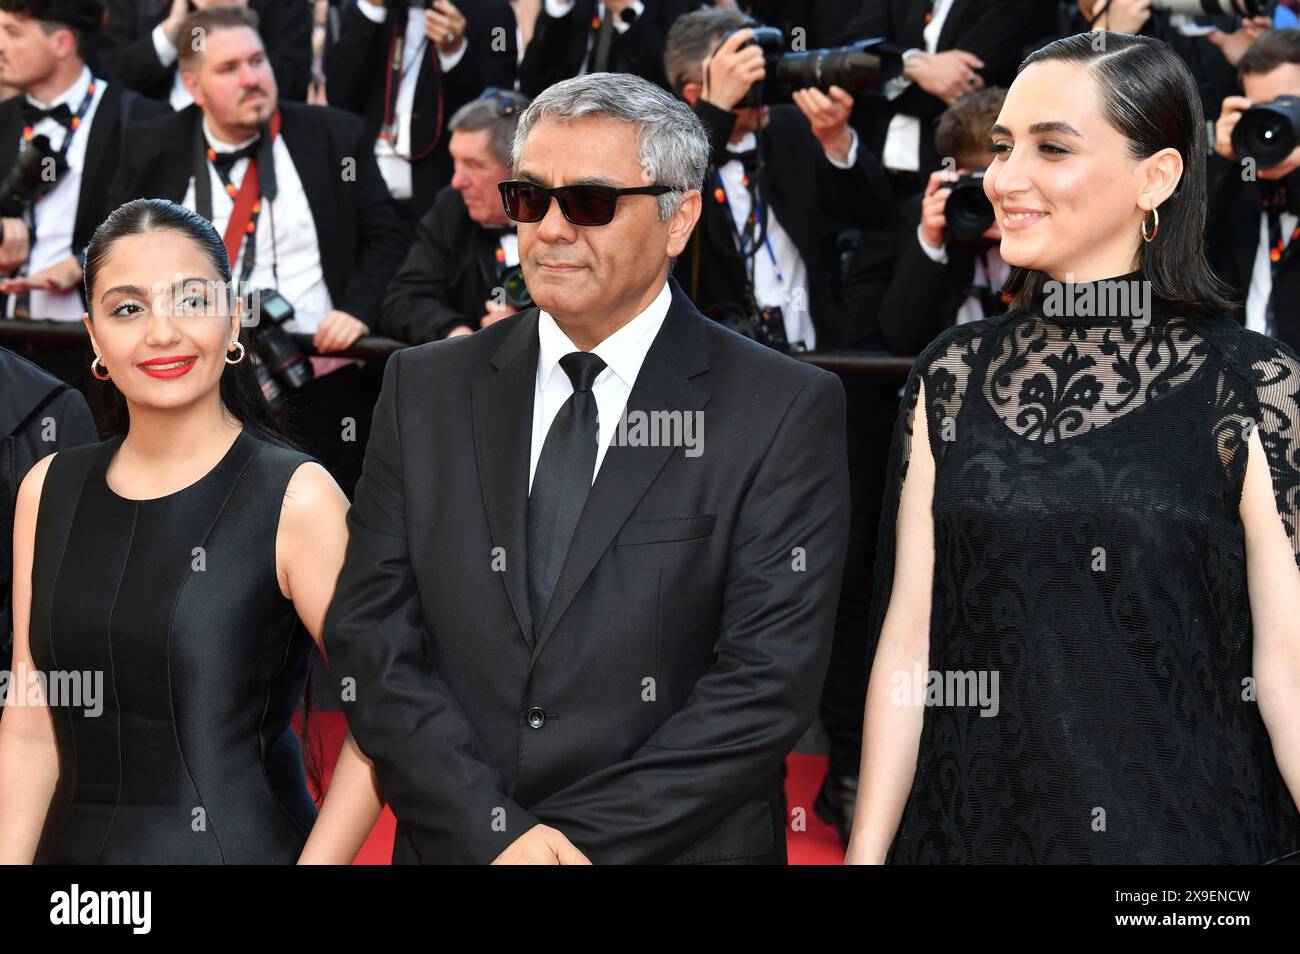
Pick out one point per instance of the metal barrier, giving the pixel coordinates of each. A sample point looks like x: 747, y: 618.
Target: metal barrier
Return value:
x: 372, y: 346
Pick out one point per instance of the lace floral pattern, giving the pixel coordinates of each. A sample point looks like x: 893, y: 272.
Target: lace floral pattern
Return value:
x: 1089, y: 560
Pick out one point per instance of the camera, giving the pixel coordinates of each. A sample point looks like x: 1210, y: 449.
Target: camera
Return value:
x: 1241, y: 8
x: 968, y: 209
x: 281, y: 365
x: 29, y: 179
x: 1268, y: 132
x: 854, y: 68
x: 517, y: 295
x: 762, y: 323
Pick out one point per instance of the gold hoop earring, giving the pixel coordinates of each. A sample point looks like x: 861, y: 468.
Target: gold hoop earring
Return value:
x: 95, y: 374
x: 1155, y: 231
x: 240, y: 346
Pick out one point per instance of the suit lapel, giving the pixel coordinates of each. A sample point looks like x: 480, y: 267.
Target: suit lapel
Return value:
x: 11, y: 131
x: 678, y: 353
x: 502, y: 409
x: 103, y: 139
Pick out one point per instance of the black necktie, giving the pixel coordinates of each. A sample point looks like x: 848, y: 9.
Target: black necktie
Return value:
x: 33, y: 114
x: 225, y: 160
x: 562, y: 482
x: 748, y: 159
x: 600, y: 49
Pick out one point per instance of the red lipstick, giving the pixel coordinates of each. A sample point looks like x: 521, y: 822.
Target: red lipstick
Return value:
x: 168, y: 366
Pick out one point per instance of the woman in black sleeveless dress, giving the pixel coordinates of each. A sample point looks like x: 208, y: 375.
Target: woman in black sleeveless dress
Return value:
x: 183, y: 615
x: 1090, y: 557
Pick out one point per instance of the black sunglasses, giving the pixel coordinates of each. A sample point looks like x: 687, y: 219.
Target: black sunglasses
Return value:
x: 581, y: 204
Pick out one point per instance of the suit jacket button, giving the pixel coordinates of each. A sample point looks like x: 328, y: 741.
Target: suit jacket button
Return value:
x: 536, y: 717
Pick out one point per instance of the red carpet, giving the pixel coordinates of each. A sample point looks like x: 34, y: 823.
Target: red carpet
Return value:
x: 813, y: 843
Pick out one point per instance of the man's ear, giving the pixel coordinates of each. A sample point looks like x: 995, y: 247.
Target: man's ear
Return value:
x: 191, y: 82
x: 682, y: 223
x: 691, y: 93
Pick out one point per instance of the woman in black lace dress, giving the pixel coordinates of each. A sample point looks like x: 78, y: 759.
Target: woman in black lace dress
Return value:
x: 1089, y: 565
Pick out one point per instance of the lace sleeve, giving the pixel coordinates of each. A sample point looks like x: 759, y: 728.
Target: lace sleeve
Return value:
x: 1275, y: 374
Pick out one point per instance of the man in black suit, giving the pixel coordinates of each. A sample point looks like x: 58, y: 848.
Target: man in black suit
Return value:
x: 803, y: 162
x: 67, y: 115
x: 326, y: 235
x: 573, y: 37
x: 446, y: 59
x: 1253, y: 213
x: 142, y: 38
x: 464, y: 264
x: 614, y: 670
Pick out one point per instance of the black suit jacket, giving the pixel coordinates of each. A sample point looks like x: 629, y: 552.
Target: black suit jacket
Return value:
x: 357, y: 226
x: 103, y: 150
x: 997, y: 31
x: 1232, y: 233
x: 449, y: 272
x: 684, y: 650
x: 357, y: 74
x: 812, y: 199
x: 558, y: 46
x: 126, y: 45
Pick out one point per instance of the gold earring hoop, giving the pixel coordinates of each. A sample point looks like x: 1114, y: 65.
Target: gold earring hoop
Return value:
x: 240, y: 346
x: 1155, y: 231
x: 95, y: 374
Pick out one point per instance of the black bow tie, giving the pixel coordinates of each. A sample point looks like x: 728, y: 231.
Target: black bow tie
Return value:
x: 225, y: 160
x: 33, y: 114
x: 1281, y: 195
x: 748, y: 158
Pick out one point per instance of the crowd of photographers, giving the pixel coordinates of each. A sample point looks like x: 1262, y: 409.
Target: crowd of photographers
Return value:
x: 356, y: 146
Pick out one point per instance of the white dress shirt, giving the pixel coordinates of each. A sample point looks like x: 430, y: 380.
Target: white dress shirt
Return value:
x: 902, y: 150
x: 179, y: 97
x: 396, y: 168
x: 288, y: 255
x: 1261, y: 273
x: 972, y: 309
x: 623, y: 353
x: 56, y: 213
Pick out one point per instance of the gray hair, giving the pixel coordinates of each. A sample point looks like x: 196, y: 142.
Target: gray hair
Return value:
x: 485, y: 113
x: 672, y: 144
x: 691, y: 38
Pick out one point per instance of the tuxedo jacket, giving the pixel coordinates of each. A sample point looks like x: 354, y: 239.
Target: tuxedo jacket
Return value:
x: 357, y: 226
x: 683, y: 652
x: 357, y: 75
x: 997, y: 31
x: 812, y: 199
x: 104, y: 150
x: 127, y: 53
x: 449, y: 272
x: 558, y: 47
x: 1232, y: 238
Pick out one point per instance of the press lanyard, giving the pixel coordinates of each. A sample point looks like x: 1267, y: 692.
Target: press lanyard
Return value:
x: 756, y: 211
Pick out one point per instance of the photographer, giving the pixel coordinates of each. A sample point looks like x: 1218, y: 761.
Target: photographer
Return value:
x: 941, y: 278
x: 47, y: 219
x: 1254, y: 208
x: 465, y: 246
x: 798, y: 169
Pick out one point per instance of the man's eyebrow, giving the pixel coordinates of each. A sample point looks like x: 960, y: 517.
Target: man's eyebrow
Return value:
x: 1049, y: 127
x: 585, y: 180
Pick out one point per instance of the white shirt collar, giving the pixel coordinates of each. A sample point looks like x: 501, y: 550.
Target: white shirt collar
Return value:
x: 219, y: 146
x: 623, y: 352
x: 72, y: 95
x: 747, y: 142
